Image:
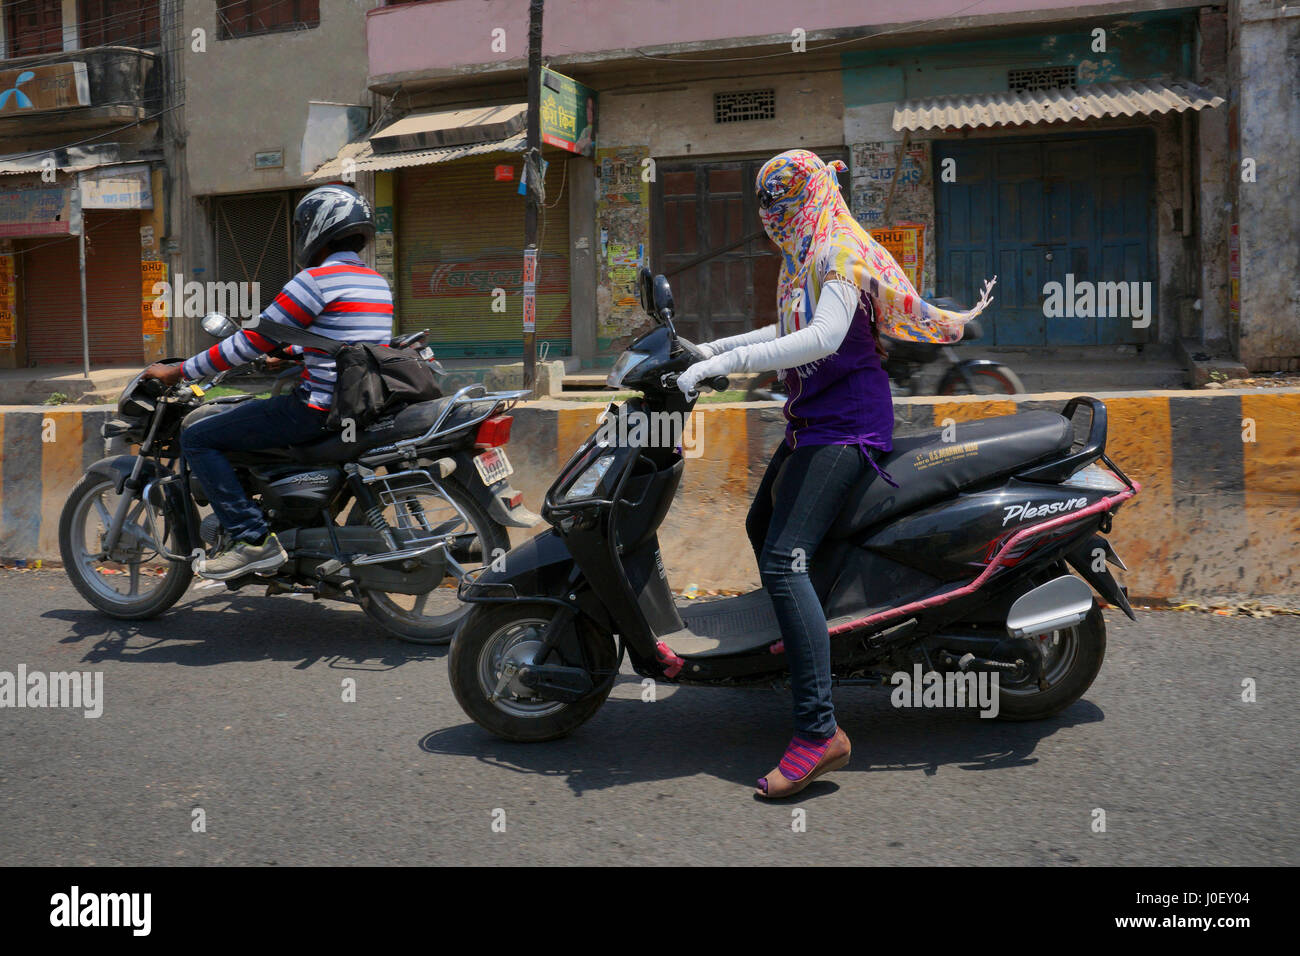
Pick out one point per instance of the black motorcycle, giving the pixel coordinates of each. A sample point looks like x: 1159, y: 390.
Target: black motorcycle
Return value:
x: 963, y: 569
x: 383, y: 518
x: 908, y: 365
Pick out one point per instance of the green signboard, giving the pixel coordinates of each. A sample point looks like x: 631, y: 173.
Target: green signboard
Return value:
x: 568, y: 113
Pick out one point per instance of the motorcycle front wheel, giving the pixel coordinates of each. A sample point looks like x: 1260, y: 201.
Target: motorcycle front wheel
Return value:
x: 134, y: 581
x: 493, y: 634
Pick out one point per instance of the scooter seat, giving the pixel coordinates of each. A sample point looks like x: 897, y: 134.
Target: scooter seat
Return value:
x: 928, y: 469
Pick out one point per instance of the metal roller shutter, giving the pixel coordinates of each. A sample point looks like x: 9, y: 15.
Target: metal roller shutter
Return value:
x: 51, y: 303
x: 460, y: 234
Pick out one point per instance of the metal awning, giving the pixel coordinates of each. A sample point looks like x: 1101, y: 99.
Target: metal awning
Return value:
x: 445, y: 136
x: 73, y: 159
x: 1091, y: 101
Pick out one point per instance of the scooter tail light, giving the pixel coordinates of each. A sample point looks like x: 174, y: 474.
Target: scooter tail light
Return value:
x: 494, y: 432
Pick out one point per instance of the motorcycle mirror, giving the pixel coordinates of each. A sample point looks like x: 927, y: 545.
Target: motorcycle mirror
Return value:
x: 218, y: 325
x: 645, y: 289
x: 663, y: 299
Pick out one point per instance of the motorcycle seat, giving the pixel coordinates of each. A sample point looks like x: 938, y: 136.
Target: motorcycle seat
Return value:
x: 409, y: 422
x: 928, y: 469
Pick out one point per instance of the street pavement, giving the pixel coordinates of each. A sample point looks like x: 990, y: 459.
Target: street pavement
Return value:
x: 234, y: 704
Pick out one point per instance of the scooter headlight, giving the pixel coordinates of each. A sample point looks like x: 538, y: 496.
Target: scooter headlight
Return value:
x: 586, y: 484
x: 626, y: 362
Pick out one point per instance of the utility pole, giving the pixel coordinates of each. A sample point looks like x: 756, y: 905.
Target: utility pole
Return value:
x: 533, y: 172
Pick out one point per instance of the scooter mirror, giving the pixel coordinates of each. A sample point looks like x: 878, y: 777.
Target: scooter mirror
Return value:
x: 218, y: 326
x: 663, y: 299
x: 644, y: 288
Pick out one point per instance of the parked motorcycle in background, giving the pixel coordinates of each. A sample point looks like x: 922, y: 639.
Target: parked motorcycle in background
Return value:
x: 415, y: 501
x: 909, y: 367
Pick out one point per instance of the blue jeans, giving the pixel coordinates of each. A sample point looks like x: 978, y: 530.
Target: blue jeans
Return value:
x: 798, y: 500
x: 246, y: 426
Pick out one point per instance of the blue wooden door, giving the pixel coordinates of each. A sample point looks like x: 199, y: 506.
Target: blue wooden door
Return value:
x: 1037, y: 211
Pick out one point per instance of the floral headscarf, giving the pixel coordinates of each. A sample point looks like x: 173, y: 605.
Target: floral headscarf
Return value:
x: 808, y: 218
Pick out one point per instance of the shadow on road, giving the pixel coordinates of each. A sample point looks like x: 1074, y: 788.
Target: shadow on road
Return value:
x: 688, y: 733
x: 225, y: 627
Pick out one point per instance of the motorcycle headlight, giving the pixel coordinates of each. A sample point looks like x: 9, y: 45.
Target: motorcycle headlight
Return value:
x: 626, y: 362
x: 586, y: 484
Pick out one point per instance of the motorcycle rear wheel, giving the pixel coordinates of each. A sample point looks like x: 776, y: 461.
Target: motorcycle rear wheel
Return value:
x: 433, y: 617
x: 988, y: 379
x: 492, y: 633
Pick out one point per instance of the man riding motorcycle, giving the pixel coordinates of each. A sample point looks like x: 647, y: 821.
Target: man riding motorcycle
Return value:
x: 334, y: 295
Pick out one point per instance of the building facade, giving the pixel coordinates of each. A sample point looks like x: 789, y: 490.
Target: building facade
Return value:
x: 86, y: 111
x: 1086, y: 154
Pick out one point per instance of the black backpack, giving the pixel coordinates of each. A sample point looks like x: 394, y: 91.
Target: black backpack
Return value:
x: 372, y: 380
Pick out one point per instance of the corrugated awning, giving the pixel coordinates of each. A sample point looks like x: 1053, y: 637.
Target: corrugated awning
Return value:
x: 73, y: 159
x: 364, y: 157
x: 1091, y: 101
x: 423, y: 139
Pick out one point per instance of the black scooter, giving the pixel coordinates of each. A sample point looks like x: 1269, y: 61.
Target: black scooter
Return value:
x: 964, y: 569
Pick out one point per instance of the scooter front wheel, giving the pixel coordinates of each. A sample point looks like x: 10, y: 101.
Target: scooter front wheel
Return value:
x: 495, y: 635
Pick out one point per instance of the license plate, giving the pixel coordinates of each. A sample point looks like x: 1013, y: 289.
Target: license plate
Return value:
x: 493, y: 465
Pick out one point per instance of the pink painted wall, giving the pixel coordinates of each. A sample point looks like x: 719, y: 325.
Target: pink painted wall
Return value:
x: 446, y: 34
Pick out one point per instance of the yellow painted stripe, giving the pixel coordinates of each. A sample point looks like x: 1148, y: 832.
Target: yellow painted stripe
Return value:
x: 1140, y: 442
x: 969, y: 411
x: 572, y: 428
x: 61, y: 443
x: 1272, y: 489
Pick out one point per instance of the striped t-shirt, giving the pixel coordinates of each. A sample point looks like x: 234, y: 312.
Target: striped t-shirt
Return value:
x: 340, y: 299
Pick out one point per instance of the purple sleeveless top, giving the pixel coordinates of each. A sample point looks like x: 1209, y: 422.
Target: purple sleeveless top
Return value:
x: 844, y: 399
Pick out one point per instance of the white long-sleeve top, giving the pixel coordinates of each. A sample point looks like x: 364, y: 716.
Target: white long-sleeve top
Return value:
x: 763, y: 349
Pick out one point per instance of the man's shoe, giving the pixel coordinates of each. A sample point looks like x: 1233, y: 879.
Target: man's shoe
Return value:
x: 243, y: 558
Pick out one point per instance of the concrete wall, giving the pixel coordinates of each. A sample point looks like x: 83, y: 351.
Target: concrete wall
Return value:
x: 1218, y: 515
x: 250, y: 94
x: 1265, y: 52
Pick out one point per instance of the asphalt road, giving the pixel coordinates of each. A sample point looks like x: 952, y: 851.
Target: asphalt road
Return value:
x: 233, y: 704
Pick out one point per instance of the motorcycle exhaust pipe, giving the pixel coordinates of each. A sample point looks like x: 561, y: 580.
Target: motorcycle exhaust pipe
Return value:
x: 1060, y: 603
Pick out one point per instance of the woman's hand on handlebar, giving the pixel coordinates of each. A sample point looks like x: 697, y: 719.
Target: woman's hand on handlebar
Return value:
x: 710, y: 372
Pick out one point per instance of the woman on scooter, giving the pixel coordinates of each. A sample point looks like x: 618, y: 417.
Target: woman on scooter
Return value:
x: 837, y: 287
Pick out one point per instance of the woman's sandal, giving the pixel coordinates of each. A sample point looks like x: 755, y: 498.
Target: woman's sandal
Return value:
x: 776, y: 785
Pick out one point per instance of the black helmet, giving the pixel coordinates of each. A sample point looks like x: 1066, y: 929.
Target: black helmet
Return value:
x: 328, y: 214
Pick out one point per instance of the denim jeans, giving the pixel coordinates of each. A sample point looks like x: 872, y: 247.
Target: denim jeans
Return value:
x: 246, y: 426
x: 798, y: 500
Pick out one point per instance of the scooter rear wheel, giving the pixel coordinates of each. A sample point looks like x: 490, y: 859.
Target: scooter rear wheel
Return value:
x: 1070, y: 665
x: 491, y: 635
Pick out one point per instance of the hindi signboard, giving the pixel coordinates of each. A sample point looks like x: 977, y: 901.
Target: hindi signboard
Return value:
x: 568, y: 114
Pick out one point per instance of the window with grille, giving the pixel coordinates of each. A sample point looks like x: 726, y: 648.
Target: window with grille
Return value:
x: 118, y: 22
x: 33, y: 26
x: 1042, y: 78
x: 248, y: 18
x: 741, y: 106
